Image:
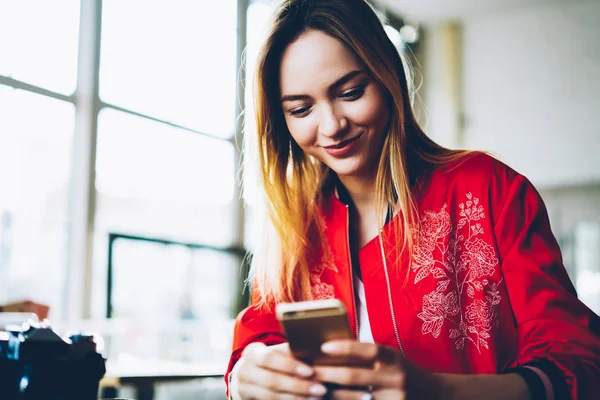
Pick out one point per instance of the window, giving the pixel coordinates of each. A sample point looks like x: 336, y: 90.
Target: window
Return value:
x: 182, y: 293
x: 143, y: 160
x: 258, y: 15
x: 154, y: 180
x: 38, y: 43
x: 165, y: 162
x: 586, y: 257
x: 188, y: 303
x: 166, y: 169
x: 36, y: 134
x: 172, y: 60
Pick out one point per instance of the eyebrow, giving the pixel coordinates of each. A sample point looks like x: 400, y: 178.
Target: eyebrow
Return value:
x: 344, y: 79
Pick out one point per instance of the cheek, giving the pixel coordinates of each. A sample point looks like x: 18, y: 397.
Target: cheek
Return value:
x: 302, y: 131
x: 371, y: 112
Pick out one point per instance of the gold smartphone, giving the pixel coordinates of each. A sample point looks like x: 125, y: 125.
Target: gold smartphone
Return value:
x: 308, y: 324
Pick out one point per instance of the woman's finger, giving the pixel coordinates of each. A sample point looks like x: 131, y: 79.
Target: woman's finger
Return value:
x: 276, y: 359
x: 280, y: 383
x: 255, y: 392
x: 351, y: 348
x: 345, y: 394
x: 393, y: 394
x: 361, y: 377
x: 283, y: 348
x: 346, y: 376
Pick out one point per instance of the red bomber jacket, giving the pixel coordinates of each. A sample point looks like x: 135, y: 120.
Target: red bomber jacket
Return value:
x: 486, y: 288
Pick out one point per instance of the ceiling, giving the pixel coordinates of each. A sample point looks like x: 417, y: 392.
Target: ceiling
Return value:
x: 436, y: 10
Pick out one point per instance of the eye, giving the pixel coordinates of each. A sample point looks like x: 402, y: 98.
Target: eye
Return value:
x: 299, y: 112
x: 354, y: 93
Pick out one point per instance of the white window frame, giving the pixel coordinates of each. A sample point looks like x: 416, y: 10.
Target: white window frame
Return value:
x: 82, y: 192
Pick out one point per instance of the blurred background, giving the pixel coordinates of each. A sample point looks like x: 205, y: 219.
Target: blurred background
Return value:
x: 121, y: 201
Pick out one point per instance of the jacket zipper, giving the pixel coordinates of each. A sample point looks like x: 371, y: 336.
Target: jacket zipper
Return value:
x: 351, y: 271
x: 389, y: 293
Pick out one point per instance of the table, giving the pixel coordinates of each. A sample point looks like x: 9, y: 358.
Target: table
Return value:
x: 143, y: 376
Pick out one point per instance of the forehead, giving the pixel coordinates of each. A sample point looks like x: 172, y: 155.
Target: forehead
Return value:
x: 313, y: 62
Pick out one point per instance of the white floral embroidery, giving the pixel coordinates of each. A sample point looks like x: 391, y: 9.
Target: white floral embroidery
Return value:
x: 322, y: 290
x: 464, y: 261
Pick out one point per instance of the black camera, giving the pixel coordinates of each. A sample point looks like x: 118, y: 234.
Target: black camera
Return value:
x: 37, y: 364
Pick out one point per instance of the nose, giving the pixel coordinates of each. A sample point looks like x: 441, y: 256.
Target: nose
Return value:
x: 331, y: 122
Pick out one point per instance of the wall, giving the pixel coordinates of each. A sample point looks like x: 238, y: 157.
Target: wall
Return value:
x: 531, y: 90
x: 527, y: 88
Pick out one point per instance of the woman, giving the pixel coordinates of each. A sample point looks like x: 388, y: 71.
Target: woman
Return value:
x: 444, y: 258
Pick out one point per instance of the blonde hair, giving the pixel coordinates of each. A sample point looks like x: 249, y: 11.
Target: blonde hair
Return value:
x: 296, y: 185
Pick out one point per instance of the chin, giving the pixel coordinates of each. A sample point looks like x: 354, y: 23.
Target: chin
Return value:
x: 348, y: 170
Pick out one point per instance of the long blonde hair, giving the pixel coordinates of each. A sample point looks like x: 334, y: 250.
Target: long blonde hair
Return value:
x: 294, y: 184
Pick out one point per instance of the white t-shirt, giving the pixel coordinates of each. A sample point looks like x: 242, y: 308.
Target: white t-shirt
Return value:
x: 364, y: 326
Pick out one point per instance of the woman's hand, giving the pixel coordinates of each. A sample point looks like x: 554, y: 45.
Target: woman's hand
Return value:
x: 271, y: 372
x: 392, y: 376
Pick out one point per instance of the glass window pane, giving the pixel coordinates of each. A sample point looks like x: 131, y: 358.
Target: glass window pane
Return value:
x: 586, y: 239
x: 36, y: 134
x: 180, y: 283
x: 177, y: 62
x: 258, y: 15
x: 140, y: 159
x: 190, y: 291
x: 38, y: 42
x: 154, y: 180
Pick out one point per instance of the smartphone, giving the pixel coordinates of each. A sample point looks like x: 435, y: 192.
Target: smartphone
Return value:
x: 308, y: 324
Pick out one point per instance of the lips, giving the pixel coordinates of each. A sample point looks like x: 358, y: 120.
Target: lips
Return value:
x: 342, y: 143
x: 342, y: 149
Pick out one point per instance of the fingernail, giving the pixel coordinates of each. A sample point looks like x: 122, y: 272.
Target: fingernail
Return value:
x: 317, y: 390
x: 304, y: 370
x: 328, y: 347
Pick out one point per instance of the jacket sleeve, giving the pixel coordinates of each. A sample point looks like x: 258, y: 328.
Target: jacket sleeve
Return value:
x: 556, y: 331
x: 253, y: 324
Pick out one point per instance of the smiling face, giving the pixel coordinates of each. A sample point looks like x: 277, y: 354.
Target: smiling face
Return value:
x: 333, y: 108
